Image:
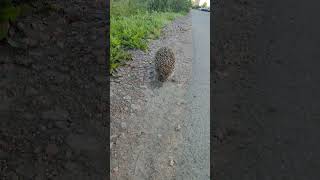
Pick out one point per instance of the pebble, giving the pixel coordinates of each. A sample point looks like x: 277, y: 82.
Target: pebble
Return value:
x: 115, y: 170
x: 135, y: 107
x: 127, y: 97
x: 20, y: 25
x: 171, y: 162
x: 123, y: 125
x: 178, y: 128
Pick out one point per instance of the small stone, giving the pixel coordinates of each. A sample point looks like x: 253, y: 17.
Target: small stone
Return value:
x: 123, y: 125
x: 171, y: 162
x: 52, y: 149
x: 122, y: 135
x: 20, y: 25
x: 115, y: 170
x: 135, y: 107
x: 127, y: 97
x: 178, y: 127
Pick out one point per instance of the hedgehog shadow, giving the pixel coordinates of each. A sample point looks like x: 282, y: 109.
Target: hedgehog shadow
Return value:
x: 155, y: 82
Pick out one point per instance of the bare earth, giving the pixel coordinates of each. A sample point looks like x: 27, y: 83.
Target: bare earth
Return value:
x: 51, y: 109
x: 147, y: 118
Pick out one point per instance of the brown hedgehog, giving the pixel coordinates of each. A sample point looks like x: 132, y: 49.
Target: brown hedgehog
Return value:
x: 164, y: 63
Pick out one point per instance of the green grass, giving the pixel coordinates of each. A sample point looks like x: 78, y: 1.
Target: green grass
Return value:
x: 134, y: 32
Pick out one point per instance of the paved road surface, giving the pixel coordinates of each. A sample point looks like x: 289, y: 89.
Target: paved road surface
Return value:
x: 197, y: 135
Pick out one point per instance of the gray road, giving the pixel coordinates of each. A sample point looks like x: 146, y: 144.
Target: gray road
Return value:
x: 196, y: 151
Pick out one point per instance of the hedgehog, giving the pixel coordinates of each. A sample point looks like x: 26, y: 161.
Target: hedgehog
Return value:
x: 164, y: 63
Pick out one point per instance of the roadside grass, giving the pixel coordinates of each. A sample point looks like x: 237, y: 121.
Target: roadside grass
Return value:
x: 134, y: 32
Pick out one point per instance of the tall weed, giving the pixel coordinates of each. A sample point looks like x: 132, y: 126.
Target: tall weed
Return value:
x: 134, y: 32
x: 134, y: 22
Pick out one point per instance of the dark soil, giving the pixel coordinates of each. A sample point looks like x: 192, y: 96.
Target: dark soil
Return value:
x: 53, y: 94
x: 265, y: 95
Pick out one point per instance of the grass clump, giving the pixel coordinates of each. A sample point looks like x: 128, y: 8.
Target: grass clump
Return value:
x: 134, y: 22
x: 134, y: 32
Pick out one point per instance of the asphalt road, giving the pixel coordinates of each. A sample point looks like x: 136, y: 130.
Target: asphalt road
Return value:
x: 197, y: 134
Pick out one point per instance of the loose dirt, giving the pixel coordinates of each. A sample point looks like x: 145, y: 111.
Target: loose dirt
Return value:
x: 51, y: 109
